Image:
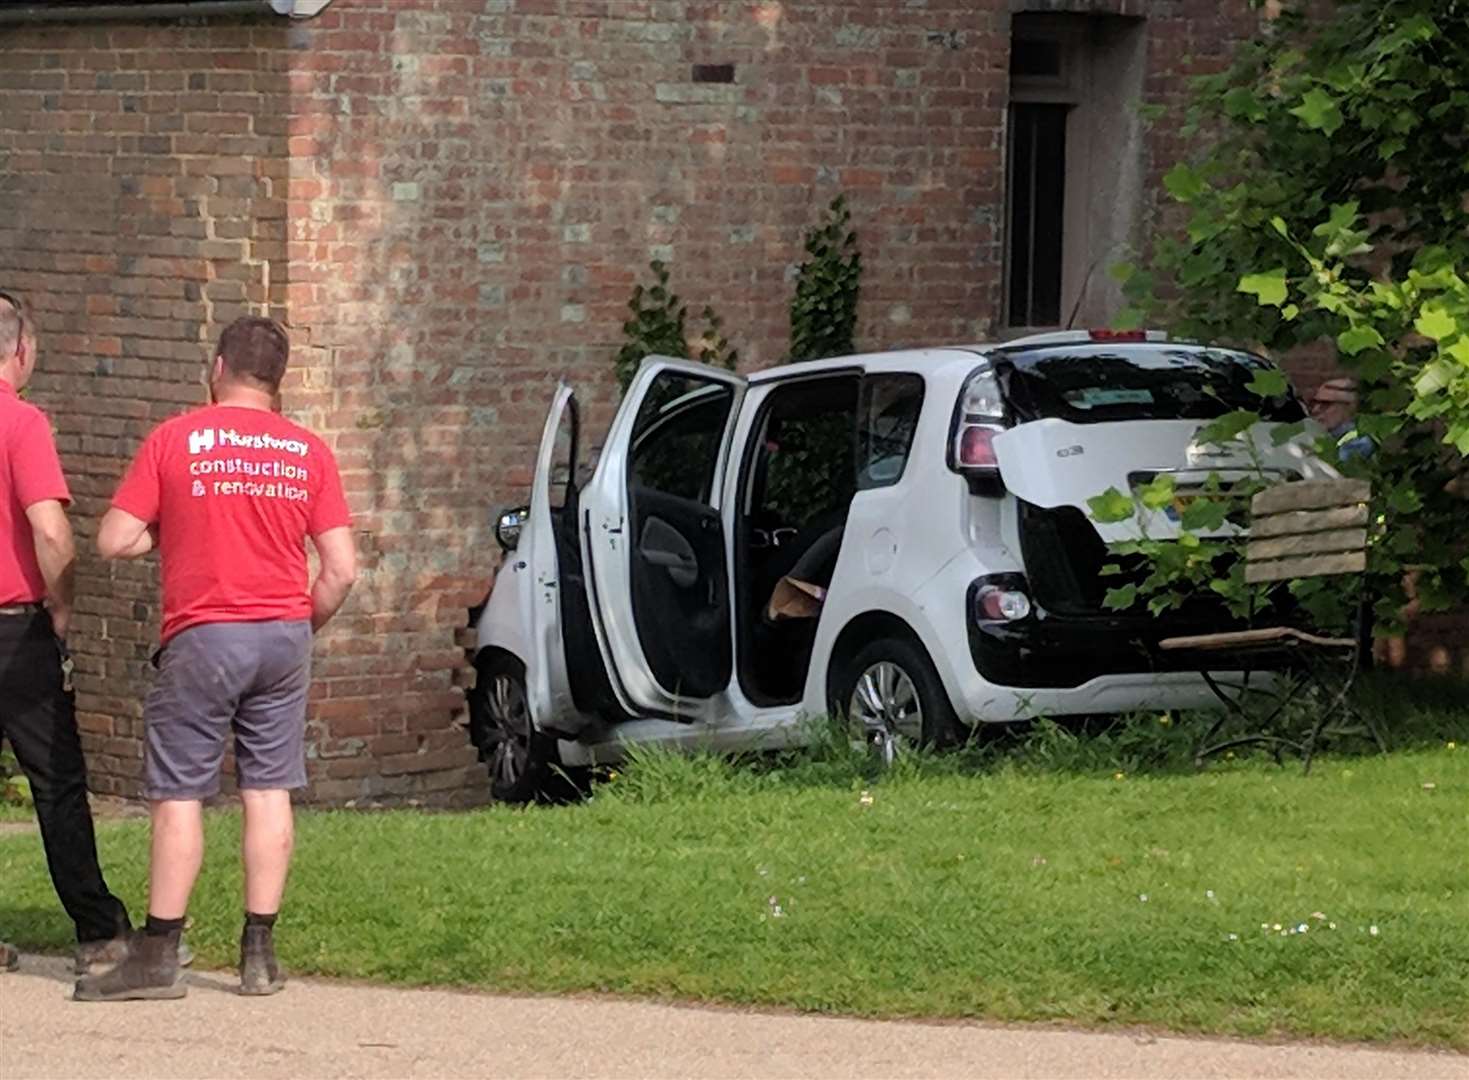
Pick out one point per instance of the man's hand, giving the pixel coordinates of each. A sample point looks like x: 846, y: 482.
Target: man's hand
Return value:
x: 56, y: 554
x: 123, y: 536
x: 338, y: 554
x: 60, y: 619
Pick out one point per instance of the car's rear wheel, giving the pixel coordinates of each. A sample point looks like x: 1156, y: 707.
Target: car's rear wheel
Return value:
x: 893, y: 698
x: 519, y: 758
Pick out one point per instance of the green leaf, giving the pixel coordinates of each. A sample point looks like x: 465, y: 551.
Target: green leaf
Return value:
x: 1318, y: 110
x: 1228, y: 427
x: 1284, y: 433
x: 1435, y: 322
x: 1205, y: 515
x: 1110, y: 507
x: 1434, y: 378
x: 1121, y: 598
x: 1268, y: 383
x: 1158, y: 492
x: 1161, y: 603
x: 1354, y: 339
x: 1267, y: 288
x: 1183, y: 183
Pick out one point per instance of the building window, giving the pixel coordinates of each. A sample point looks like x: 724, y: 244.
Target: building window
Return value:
x: 1037, y: 185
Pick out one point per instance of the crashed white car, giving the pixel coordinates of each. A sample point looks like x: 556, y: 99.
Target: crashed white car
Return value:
x: 899, y: 537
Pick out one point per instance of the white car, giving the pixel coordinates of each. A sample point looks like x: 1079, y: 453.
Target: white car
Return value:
x: 899, y: 537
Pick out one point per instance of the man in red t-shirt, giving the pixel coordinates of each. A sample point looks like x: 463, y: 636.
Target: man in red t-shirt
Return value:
x: 37, y: 707
x: 229, y: 494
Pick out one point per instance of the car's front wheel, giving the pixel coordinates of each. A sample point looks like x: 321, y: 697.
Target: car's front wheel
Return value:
x: 519, y: 758
x: 892, y: 697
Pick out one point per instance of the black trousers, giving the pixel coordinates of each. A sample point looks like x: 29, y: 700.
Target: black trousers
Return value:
x: 38, y: 717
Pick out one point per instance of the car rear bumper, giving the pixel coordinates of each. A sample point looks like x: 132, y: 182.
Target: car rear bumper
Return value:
x: 1047, y: 651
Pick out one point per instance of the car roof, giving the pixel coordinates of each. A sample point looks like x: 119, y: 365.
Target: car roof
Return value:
x: 940, y: 358
x: 897, y: 360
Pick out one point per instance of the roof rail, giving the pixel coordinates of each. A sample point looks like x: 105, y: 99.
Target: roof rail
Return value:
x: 1079, y: 337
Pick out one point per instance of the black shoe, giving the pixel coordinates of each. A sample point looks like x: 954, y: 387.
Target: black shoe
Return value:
x: 150, y: 971
x: 260, y: 972
x: 95, y: 957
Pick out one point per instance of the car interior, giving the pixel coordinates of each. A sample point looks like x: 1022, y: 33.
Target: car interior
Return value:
x: 797, y: 483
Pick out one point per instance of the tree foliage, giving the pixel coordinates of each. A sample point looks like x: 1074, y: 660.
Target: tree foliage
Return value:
x: 1327, y: 203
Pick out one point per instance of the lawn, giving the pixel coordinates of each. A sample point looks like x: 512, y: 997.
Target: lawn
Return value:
x: 1039, y: 884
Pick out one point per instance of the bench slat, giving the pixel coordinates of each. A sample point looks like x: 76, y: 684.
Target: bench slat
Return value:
x: 1310, y: 495
x: 1294, y: 522
x: 1319, y: 543
x: 1306, y: 566
x: 1264, y: 636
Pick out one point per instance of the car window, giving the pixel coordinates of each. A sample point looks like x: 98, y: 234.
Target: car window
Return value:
x: 1094, y: 384
x: 887, y: 419
x: 678, y: 434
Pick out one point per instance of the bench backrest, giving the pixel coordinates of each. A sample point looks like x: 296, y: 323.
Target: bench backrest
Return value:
x: 1310, y: 528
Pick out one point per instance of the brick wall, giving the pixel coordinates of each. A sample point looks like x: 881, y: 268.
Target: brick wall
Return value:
x: 139, y: 213
x: 448, y: 202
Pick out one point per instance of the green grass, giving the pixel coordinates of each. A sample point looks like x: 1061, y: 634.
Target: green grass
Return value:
x: 1008, y: 884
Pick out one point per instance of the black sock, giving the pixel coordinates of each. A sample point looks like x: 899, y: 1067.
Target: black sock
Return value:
x: 156, y: 927
x: 267, y: 921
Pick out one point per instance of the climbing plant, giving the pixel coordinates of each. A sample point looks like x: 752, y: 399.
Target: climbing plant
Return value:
x: 828, y: 285
x: 815, y: 467
x: 659, y: 327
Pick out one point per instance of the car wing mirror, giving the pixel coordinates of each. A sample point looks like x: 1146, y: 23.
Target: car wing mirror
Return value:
x: 507, y: 526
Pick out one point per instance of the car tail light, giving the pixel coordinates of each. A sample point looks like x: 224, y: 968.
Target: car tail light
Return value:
x: 1002, y: 599
x: 1118, y: 335
x: 977, y: 447
x: 978, y: 417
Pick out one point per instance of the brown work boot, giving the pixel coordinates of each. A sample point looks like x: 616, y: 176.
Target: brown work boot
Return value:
x: 260, y: 972
x: 95, y: 957
x: 150, y: 971
x: 9, y: 956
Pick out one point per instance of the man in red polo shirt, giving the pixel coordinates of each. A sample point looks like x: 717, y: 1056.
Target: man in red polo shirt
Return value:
x: 229, y: 494
x: 37, y: 708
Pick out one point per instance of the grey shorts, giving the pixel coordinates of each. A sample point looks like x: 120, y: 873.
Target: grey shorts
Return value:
x: 250, y: 678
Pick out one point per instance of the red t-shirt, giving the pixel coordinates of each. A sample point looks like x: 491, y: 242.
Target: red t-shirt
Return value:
x: 30, y: 472
x: 234, y: 493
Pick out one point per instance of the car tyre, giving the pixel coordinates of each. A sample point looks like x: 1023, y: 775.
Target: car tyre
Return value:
x: 891, y: 696
x: 520, y: 760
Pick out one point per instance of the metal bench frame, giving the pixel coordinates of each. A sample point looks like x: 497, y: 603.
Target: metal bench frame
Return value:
x: 1304, y: 529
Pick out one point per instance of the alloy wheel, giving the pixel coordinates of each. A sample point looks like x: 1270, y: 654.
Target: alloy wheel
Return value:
x: 509, y: 732
x: 885, y: 711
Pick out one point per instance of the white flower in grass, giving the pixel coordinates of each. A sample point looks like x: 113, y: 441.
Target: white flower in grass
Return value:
x: 1143, y: 897
x: 1372, y: 930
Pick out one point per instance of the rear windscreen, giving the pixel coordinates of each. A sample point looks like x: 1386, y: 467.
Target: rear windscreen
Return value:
x: 1090, y: 384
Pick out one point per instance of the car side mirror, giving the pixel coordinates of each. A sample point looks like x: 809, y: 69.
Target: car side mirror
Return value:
x: 507, y: 527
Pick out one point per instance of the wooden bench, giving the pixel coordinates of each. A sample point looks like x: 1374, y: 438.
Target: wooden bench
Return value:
x: 1305, y: 529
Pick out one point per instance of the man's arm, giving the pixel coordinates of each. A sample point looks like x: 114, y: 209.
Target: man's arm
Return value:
x: 56, y: 553
x: 338, y: 554
x: 123, y: 536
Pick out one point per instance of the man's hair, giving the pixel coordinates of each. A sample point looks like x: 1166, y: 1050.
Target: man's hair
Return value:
x: 14, y: 324
x: 255, y: 349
